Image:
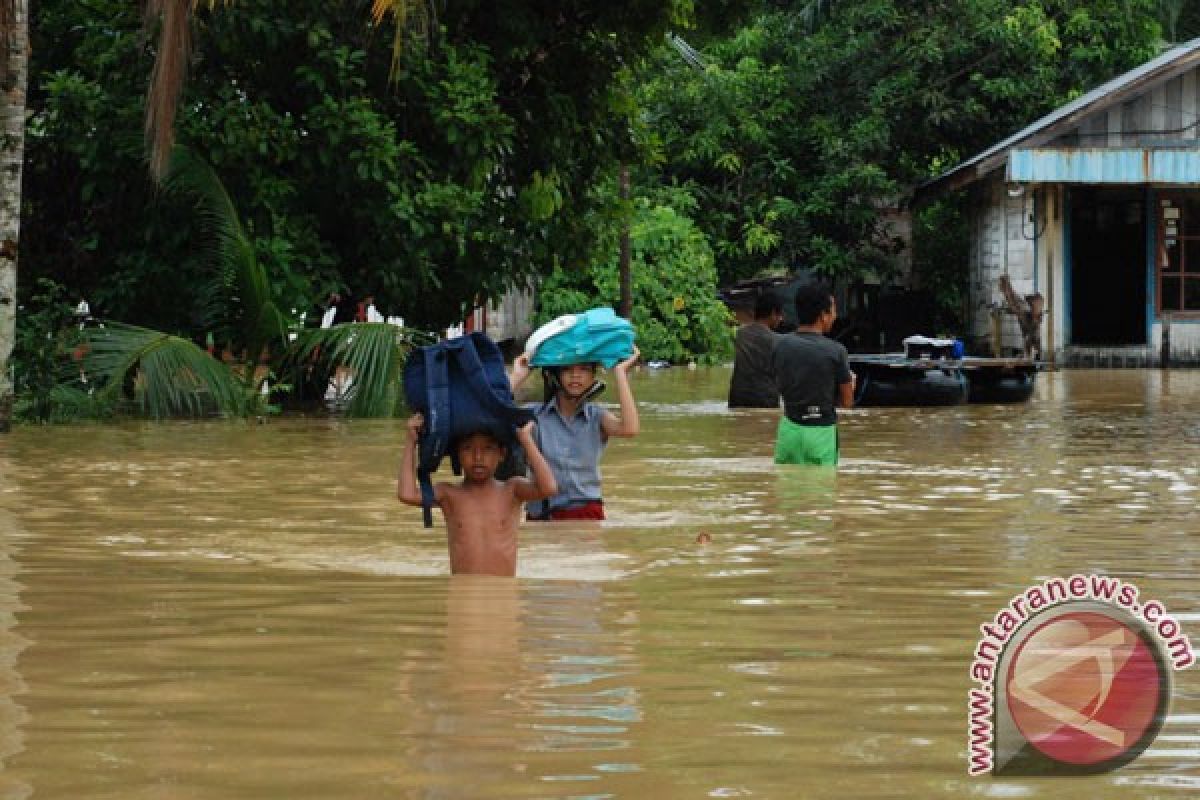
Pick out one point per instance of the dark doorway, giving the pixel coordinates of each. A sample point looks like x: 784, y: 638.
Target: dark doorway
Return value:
x: 1108, y: 266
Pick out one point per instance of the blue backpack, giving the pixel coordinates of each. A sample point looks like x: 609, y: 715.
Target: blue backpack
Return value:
x: 595, y: 336
x: 460, y: 387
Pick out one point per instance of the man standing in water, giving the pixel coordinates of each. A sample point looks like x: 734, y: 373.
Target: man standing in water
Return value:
x: 753, y: 384
x: 814, y: 377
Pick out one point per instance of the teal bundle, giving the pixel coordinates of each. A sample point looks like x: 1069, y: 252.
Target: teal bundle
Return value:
x: 597, y: 336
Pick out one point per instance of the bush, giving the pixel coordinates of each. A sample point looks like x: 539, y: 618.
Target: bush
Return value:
x: 49, y: 383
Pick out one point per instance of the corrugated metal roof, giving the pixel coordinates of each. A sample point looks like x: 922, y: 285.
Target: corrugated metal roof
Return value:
x: 1165, y: 66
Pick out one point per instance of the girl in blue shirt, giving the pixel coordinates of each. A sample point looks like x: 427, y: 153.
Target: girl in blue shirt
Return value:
x: 572, y: 433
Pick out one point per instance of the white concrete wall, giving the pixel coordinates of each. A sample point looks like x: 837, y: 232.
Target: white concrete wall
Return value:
x: 1185, y: 341
x: 1003, y: 230
x: 510, y: 317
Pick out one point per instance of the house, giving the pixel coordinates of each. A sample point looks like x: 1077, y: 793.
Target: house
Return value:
x: 1096, y: 207
x: 507, y: 319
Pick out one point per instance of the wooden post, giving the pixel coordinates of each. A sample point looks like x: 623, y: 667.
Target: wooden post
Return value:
x: 1164, y: 356
x: 625, y: 309
x: 995, y: 330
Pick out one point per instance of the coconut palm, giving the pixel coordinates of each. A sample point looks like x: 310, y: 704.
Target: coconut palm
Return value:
x: 240, y: 304
x: 14, y: 70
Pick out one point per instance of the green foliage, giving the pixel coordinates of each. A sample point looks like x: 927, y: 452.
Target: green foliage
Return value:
x: 373, y: 353
x: 805, y: 122
x: 164, y: 375
x: 49, y: 381
x: 242, y: 308
x: 462, y: 172
x: 676, y: 312
x: 167, y: 375
x: 940, y: 251
x: 480, y: 160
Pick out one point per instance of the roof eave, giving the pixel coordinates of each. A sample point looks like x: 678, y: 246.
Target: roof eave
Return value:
x: 1048, y: 127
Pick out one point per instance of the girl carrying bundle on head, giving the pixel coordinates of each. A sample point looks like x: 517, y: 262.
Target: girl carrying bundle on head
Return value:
x: 572, y: 432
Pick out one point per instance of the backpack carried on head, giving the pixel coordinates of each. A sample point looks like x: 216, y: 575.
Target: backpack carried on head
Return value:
x: 597, y: 336
x: 460, y: 387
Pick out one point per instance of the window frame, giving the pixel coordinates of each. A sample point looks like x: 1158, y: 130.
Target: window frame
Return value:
x: 1186, y: 233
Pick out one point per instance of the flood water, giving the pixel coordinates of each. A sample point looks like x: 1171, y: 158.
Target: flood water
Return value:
x: 228, y: 610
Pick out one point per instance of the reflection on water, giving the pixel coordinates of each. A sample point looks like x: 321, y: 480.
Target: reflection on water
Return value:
x: 12, y: 714
x: 244, y: 611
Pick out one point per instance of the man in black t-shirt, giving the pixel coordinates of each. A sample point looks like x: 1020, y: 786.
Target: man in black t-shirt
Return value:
x: 813, y: 372
x: 753, y: 383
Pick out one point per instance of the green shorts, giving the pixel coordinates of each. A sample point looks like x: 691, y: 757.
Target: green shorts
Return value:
x: 806, y: 444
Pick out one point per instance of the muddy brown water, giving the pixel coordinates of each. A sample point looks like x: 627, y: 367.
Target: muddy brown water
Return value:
x: 228, y: 610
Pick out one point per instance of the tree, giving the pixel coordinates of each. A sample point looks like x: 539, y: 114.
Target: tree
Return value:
x: 169, y: 375
x: 795, y: 133
x: 672, y: 275
x: 448, y: 174
x: 174, y: 19
x: 14, y: 66
x: 462, y: 172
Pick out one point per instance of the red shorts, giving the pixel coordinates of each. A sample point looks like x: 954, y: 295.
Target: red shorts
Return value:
x: 593, y: 509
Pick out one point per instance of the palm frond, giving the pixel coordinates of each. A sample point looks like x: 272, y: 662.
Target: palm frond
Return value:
x: 174, y: 47
x: 373, y: 353
x: 230, y: 252
x: 170, y: 376
x: 166, y: 79
x: 414, y: 19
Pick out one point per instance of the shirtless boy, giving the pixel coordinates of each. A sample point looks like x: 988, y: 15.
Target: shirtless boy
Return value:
x: 481, y: 513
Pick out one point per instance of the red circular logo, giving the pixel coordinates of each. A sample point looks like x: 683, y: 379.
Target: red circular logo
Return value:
x: 1085, y: 688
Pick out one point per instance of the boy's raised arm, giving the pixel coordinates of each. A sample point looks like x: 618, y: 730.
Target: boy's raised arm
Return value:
x: 543, y: 483
x: 406, y: 486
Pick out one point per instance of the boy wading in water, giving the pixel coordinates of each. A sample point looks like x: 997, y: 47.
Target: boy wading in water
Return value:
x: 482, y: 513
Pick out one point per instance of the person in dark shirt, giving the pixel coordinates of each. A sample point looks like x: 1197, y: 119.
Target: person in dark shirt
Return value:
x: 347, y: 309
x: 753, y: 384
x: 813, y: 372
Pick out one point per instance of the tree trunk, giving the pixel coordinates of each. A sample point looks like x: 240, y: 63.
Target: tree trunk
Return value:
x: 625, y: 309
x: 14, y: 66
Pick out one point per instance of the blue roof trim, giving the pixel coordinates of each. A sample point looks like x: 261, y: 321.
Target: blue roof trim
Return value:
x: 1089, y: 165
